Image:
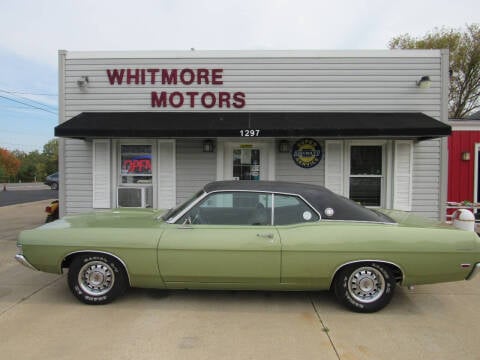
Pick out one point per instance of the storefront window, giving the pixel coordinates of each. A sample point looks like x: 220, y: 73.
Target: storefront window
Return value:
x: 246, y: 164
x: 366, y: 174
x: 136, y: 164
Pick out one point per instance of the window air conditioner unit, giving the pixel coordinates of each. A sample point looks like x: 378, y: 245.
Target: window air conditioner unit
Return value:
x: 134, y: 197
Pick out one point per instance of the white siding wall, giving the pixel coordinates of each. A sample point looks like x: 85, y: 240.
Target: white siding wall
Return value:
x: 287, y: 170
x: 376, y: 83
x: 370, y: 81
x: 426, y: 178
x: 166, y: 174
x: 194, y: 168
x: 78, y: 176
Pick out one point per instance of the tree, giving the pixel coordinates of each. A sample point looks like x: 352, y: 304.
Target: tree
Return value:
x: 31, y: 167
x: 9, y: 163
x: 34, y: 166
x: 50, y: 155
x: 464, y: 46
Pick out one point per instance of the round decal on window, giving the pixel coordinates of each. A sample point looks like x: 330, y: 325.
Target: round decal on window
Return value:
x: 329, y: 212
x: 307, y: 215
x: 307, y: 153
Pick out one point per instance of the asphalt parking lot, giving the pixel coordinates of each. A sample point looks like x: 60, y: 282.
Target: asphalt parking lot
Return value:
x: 18, y: 193
x: 40, y: 319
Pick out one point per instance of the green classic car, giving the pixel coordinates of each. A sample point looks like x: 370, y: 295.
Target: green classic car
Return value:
x: 253, y: 235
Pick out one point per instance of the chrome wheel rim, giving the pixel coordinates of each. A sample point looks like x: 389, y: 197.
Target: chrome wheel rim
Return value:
x: 96, y: 278
x: 366, y: 284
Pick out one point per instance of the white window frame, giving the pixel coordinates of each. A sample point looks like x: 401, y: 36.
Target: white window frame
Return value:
x: 117, y: 177
x: 383, y: 176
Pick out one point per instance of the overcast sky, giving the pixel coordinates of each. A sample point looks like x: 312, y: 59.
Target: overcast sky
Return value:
x: 32, y: 32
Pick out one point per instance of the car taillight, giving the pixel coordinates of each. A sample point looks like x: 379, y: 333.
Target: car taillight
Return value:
x: 48, y: 209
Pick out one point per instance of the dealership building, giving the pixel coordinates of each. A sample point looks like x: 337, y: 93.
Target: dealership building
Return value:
x: 148, y: 129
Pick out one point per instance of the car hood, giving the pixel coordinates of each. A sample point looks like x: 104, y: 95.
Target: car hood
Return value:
x: 117, y: 218
x: 410, y: 219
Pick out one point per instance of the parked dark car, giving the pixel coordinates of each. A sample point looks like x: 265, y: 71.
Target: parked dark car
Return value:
x: 52, y: 181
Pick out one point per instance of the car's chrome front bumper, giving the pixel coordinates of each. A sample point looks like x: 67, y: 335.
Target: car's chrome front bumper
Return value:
x: 22, y: 260
x: 475, y: 271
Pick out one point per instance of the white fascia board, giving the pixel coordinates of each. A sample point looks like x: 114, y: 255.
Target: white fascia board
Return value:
x: 253, y: 53
x: 465, y: 125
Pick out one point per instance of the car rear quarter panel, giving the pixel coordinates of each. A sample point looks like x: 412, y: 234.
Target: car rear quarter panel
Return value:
x: 312, y: 253
x: 46, y: 249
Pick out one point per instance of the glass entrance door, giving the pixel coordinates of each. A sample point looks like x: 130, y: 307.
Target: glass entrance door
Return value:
x: 253, y: 160
x: 246, y: 163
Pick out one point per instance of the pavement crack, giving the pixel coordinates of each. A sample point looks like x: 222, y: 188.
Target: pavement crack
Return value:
x: 29, y: 296
x: 325, y: 329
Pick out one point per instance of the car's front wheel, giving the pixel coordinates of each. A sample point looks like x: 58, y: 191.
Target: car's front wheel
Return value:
x: 54, y: 186
x: 96, y: 279
x: 366, y: 287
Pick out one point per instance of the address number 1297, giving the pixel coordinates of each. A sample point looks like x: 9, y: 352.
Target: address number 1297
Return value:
x: 250, y: 132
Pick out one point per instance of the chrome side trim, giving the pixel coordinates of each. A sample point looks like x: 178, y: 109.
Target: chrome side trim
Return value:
x: 368, y: 260
x: 100, y: 252
x: 474, y: 272
x: 362, y: 222
x: 22, y: 260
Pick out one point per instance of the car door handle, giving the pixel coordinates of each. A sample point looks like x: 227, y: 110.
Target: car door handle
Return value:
x: 266, y: 236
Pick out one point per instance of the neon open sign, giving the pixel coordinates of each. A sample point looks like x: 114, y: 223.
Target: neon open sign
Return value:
x: 137, y: 166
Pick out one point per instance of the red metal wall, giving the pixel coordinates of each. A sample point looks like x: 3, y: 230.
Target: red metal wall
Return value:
x: 461, y: 172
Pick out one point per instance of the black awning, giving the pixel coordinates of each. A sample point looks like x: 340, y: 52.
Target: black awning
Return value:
x: 215, y: 124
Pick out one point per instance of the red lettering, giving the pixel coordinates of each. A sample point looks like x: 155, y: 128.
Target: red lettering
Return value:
x: 202, y: 74
x: 192, y: 95
x: 176, y: 103
x: 115, y: 76
x: 208, y: 99
x: 159, y: 101
x: 239, y: 100
x: 217, y: 76
x: 191, y: 75
x: 169, y: 78
x: 211, y: 102
x: 152, y: 74
x: 137, y: 166
x: 143, y: 76
x: 126, y: 165
x: 135, y: 76
x: 224, y: 98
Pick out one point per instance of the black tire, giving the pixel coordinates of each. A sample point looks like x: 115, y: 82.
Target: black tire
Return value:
x: 54, y: 186
x: 50, y: 218
x: 364, y: 287
x: 96, y: 279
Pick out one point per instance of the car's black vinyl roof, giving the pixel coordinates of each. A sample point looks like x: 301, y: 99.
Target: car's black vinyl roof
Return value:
x: 318, y: 196
x: 272, y: 186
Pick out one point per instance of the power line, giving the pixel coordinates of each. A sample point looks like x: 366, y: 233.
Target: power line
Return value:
x: 26, y: 104
x: 24, y: 98
x: 30, y: 93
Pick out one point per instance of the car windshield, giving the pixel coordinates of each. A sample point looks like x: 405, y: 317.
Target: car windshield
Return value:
x: 175, y: 211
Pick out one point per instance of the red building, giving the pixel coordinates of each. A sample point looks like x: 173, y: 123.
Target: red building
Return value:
x: 463, y: 161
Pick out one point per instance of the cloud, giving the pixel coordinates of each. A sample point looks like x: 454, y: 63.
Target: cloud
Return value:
x: 37, y: 29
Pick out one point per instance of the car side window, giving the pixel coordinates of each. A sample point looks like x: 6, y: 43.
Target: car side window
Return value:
x: 232, y: 208
x: 290, y: 209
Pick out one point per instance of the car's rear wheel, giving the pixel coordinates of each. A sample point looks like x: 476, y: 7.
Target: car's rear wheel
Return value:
x: 54, y: 186
x: 365, y: 287
x: 96, y: 279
